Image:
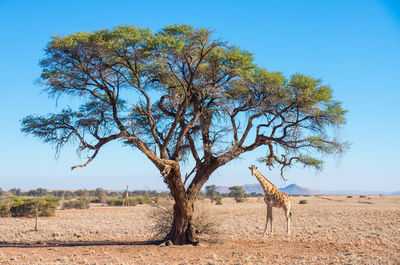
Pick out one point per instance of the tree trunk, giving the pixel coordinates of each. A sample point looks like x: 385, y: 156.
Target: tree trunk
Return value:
x: 183, y: 230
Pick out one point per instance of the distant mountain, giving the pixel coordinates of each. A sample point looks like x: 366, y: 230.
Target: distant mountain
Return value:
x: 294, y: 189
x: 222, y: 189
x: 249, y: 188
x: 291, y: 189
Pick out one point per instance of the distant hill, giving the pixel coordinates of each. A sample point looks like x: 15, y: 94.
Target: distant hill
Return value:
x: 249, y: 188
x: 291, y: 189
x: 294, y: 189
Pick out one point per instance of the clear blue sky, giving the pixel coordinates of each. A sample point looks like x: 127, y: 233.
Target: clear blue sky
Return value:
x: 353, y: 45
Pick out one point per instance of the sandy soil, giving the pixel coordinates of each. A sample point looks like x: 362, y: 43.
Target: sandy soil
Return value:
x: 326, y: 230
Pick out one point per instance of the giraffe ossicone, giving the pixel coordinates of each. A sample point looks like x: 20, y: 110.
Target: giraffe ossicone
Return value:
x: 273, y: 198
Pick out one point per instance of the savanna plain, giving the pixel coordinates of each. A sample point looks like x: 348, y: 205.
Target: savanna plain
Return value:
x: 325, y: 230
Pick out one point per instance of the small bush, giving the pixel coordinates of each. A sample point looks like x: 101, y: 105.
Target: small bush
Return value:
x: 114, y: 201
x: 120, y: 202
x: 144, y: 200
x: 5, y: 207
x: 303, y: 202
x: 363, y: 196
x: 238, y: 193
x: 94, y: 200
x: 80, y: 203
x: 26, y: 207
x: 218, y: 200
x: 349, y: 196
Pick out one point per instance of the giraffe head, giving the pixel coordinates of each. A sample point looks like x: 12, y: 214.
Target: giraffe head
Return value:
x: 253, y: 169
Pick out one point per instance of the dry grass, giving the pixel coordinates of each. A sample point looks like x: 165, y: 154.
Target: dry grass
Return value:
x: 340, y: 230
x: 204, y: 221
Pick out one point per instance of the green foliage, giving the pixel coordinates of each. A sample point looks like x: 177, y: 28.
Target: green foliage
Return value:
x: 144, y: 200
x: 80, y: 203
x: 211, y: 193
x: 218, y: 200
x: 114, y: 201
x: 303, y: 202
x: 183, y: 64
x: 5, y: 207
x: 26, y: 207
x: 238, y: 193
x: 120, y: 202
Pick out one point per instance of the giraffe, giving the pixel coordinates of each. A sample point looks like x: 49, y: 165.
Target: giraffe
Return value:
x: 273, y: 198
x: 125, y: 201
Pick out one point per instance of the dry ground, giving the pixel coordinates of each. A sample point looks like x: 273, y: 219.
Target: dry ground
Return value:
x: 326, y: 230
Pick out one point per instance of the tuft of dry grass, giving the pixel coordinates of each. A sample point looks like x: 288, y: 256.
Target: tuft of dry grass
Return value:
x: 203, y: 221
x: 162, y: 215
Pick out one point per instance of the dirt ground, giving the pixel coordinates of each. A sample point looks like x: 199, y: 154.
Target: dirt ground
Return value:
x: 326, y: 230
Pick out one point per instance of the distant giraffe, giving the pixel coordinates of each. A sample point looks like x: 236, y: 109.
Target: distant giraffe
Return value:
x: 125, y: 201
x: 273, y: 198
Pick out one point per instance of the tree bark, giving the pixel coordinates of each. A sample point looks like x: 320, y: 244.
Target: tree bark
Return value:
x: 183, y: 230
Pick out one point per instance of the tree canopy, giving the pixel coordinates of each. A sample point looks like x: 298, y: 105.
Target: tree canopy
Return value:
x: 179, y: 95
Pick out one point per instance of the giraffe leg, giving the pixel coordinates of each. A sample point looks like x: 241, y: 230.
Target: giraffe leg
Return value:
x: 266, y: 221
x: 270, y: 217
x: 288, y: 214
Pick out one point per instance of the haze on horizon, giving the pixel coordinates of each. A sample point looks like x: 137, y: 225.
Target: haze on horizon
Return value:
x: 353, y: 46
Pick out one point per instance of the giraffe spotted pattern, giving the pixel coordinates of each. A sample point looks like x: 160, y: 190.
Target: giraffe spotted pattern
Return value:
x: 273, y: 198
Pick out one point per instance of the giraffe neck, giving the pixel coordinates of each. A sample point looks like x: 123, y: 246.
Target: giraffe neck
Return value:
x: 267, y: 186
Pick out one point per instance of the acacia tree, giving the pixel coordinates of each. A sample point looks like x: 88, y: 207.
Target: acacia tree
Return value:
x: 211, y: 192
x: 179, y: 95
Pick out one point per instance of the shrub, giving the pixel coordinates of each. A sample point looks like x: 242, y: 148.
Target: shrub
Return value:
x: 363, y: 196
x: 349, y: 196
x: 144, y: 200
x: 114, y: 201
x: 218, y: 200
x: 26, y: 207
x: 303, y: 202
x: 48, y: 205
x: 120, y: 202
x: 204, y: 223
x: 5, y: 207
x: 80, y: 203
x: 238, y: 193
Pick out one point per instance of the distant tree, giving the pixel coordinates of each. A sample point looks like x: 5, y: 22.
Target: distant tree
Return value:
x: 211, y: 192
x: 39, y: 192
x: 82, y: 193
x: 101, y: 194
x: 255, y: 194
x: 68, y: 194
x: 32, y: 193
x: 238, y: 193
x: 42, y: 192
x: 58, y: 193
x: 179, y: 94
x: 15, y: 192
x: 115, y: 194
